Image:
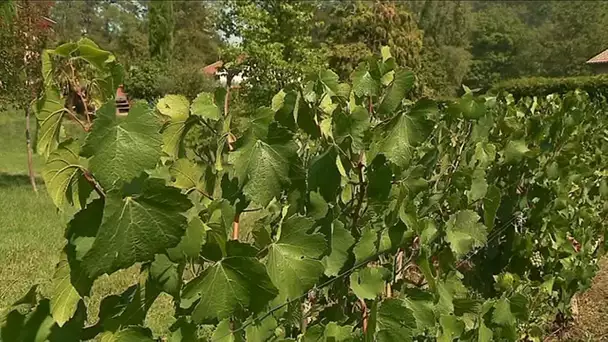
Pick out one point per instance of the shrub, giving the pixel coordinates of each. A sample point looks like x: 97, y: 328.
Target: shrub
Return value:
x: 153, y: 79
x: 541, y: 86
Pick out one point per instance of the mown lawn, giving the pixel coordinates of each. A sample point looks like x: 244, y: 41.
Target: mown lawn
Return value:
x: 31, y: 232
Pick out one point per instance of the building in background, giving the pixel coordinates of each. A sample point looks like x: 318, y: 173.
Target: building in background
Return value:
x: 599, y: 63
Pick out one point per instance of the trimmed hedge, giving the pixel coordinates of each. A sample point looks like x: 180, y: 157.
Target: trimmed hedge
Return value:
x: 542, y: 86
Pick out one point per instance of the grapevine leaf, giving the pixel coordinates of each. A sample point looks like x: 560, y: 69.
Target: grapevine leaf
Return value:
x: 230, y: 285
x: 175, y: 107
x: 363, y: 82
x: 398, y: 139
x: 395, y: 322
x: 166, y: 275
x: 485, y: 333
x: 190, y: 245
x: 330, y: 80
x: 421, y: 304
x: 183, y: 330
x: 224, y: 333
x: 49, y: 112
x: 465, y: 232
x: 340, y: 240
x: 122, y: 147
x: 317, y: 208
x: 131, y: 334
x: 515, y: 150
x: 65, y: 298
x: 324, y: 176
x: 293, y: 261
x: 338, y: 333
x: 204, y: 106
x: 368, y: 282
x: 502, y: 313
x: 129, y: 308
x: 402, y: 83
x: 484, y: 154
x: 451, y: 328
x: 479, y: 186
x: 142, y: 222
x: 187, y: 174
x: 261, y: 331
x: 490, y: 206
x: 366, y: 246
x: 63, y: 176
x: 262, y: 169
x: 351, y: 126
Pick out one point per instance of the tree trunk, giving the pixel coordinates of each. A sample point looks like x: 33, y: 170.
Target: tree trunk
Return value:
x: 28, y: 142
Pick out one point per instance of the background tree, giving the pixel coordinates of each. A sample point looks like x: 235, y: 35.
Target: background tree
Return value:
x: 161, y: 23
x: 275, y: 37
x: 24, y: 31
x: 445, y: 52
x: 357, y: 30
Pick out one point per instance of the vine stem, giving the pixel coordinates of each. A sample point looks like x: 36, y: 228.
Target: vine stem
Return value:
x: 361, y: 194
x: 364, y: 315
x: 89, y: 178
x: 235, y: 226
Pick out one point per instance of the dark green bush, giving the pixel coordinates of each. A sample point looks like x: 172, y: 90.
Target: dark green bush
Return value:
x: 542, y: 86
x: 152, y: 79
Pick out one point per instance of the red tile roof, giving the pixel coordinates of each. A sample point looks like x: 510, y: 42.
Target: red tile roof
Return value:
x: 602, y: 57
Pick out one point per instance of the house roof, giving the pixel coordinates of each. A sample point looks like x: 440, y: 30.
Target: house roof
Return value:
x: 602, y: 57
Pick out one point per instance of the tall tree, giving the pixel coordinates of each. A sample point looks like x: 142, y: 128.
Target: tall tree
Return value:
x: 357, y: 30
x: 445, y: 52
x: 161, y: 26
x: 275, y: 39
x: 24, y: 30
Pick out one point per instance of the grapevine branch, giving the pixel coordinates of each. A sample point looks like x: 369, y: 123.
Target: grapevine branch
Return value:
x: 280, y: 306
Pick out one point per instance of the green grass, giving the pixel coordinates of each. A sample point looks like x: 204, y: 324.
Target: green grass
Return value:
x: 31, y: 233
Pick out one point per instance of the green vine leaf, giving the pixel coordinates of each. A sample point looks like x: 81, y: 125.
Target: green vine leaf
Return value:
x: 176, y: 108
x: 261, y: 331
x: 368, y: 282
x: 399, y: 137
x: 490, y: 206
x: 324, y: 176
x: 262, y: 169
x: 395, y: 322
x: 515, y: 151
x: 205, y: 107
x: 65, y: 298
x: 366, y: 247
x: 190, y: 245
x: 187, y: 174
x: 49, y: 113
x: 121, y: 148
x: 166, y: 275
x: 402, y: 83
x: 224, y: 333
x: 364, y: 83
x: 131, y: 334
x: 230, y: 286
x: 465, y: 232
x: 351, y: 127
x: 63, y: 176
x: 340, y: 242
x: 293, y: 261
x: 145, y: 209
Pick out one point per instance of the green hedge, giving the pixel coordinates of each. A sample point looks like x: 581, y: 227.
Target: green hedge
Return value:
x: 542, y: 86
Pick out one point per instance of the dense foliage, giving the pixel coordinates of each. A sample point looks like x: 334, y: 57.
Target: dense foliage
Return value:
x: 542, y: 86
x: 342, y: 212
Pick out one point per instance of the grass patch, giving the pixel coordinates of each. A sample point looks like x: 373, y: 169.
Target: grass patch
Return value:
x: 32, y: 233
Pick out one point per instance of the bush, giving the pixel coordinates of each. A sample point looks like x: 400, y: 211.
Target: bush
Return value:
x: 541, y: 86
x: 152, y: 79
